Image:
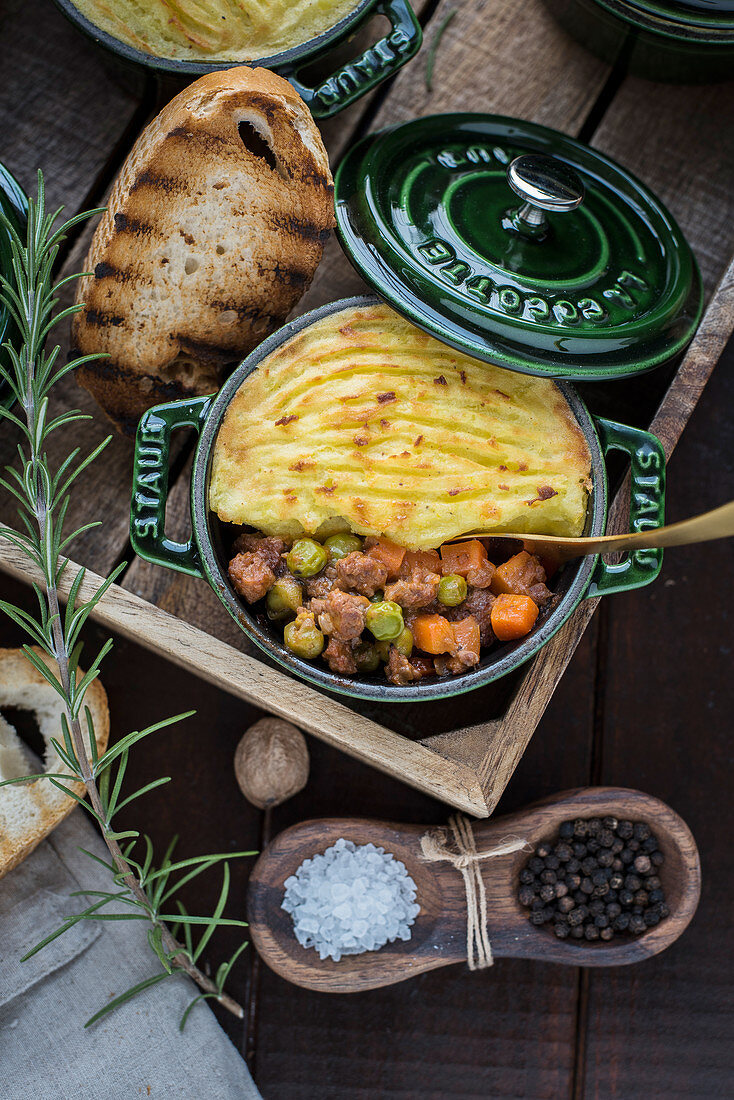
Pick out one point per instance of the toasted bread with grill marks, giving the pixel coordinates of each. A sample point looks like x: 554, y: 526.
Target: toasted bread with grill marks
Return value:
x: 214, y: 229
x: 29, y: 811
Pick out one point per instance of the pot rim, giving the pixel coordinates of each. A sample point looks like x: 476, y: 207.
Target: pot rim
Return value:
x: 285, y: 59
x: 496, y: 663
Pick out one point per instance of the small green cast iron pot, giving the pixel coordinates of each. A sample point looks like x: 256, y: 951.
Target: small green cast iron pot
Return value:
x: 681, y: 41
x: 349, y: 83
x: 14, y: 205
x: 205, y: 555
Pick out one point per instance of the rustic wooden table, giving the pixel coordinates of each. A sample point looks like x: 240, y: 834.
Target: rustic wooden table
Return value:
x: 647, y: 698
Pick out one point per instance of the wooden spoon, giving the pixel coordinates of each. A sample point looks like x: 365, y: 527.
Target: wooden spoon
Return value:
x: 439, y: 933
x: 717, y: 524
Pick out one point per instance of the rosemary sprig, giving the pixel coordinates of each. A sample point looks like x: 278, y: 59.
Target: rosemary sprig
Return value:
x: 142, y: 891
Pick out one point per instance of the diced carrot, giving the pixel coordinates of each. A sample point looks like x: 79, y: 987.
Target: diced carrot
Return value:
x: 390, y: 554
x: 460, y: 557
x: 513, y: 616
x: 466, y: 634
x: 516, y: 575
x: 433, y: 634
x: 428, y: 559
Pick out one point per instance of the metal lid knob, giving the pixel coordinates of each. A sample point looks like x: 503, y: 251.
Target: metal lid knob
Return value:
x: 545, y: 183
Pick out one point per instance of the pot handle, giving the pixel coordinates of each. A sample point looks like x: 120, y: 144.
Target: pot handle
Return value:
x: 150, y: 485
x: 369, y: 69
x: 647, y: 507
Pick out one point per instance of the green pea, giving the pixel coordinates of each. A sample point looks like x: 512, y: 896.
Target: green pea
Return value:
x: 304, y: 638
x: 306, y: 558
x: 385, y: 620
x: 367, y: 657
x: 338, y: 546
x: 284, y: 599
x: 378, y: 597
x: 452, y: 590
x: 383, y: 650
x: 404, y: 643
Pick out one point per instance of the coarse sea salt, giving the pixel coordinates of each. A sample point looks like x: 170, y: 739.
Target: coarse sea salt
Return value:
x: 351, y: 899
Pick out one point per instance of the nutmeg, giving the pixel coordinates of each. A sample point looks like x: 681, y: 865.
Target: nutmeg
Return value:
x: 271, y: 762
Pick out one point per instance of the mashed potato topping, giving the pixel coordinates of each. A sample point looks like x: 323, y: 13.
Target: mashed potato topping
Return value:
x: 215, y: 30
x: 362, y: 421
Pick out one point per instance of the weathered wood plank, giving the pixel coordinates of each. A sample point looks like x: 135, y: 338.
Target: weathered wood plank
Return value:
x: 664, y: 1029
x: 59, y: 110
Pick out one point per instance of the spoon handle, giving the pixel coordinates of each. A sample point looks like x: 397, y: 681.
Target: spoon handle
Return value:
x: 717, y: 524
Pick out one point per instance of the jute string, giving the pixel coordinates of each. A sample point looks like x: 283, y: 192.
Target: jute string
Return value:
x: 466, y: 858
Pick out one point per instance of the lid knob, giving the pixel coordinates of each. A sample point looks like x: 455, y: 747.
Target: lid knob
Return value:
x: 545, y: 183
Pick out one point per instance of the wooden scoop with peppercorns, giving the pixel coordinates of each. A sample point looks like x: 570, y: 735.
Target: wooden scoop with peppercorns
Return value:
x: 531, y: 894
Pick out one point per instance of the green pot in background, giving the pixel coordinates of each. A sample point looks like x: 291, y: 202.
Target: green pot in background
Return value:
x: 677, y: 41
x: 334, y: 89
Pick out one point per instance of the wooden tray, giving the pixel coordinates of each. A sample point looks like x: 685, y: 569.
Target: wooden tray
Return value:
x: 464, y: 750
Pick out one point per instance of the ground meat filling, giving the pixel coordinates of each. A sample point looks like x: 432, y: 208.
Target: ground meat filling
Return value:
x: 251, y: 575
x: 270, y: 549
x: 399, y: 670
x: 340, y: 658
x: 361, y: 572
x: 329, y: 616
x: 341, y: 614
x: 419, y: 589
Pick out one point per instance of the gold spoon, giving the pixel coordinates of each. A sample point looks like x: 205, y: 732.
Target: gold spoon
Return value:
x: 717, y: 524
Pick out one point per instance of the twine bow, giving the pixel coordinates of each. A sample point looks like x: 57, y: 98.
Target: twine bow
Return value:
x: 434, y: 846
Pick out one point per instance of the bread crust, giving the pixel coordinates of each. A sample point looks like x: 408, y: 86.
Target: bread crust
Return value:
x: 39, y: 806
x: 215, y: 226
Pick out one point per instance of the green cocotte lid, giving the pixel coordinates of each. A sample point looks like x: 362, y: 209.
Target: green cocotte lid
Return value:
x: 516, y: 244
x: 14, y: 205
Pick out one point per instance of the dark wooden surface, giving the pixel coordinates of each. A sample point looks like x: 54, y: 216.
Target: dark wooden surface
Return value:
x: 647, y: 699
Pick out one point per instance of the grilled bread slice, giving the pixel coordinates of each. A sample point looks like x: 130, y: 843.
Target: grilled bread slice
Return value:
x: 363, y: 421
x: 214, y: 228
x: 29, y: 811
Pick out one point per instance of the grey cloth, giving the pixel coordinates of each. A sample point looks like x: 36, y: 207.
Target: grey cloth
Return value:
x: 138, y: 1050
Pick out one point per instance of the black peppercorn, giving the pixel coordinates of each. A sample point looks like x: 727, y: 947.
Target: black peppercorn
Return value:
x: 526, y: 896
x: 597, y: 879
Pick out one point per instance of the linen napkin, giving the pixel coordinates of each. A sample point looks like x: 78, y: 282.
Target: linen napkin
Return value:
x: 138, y: 1050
